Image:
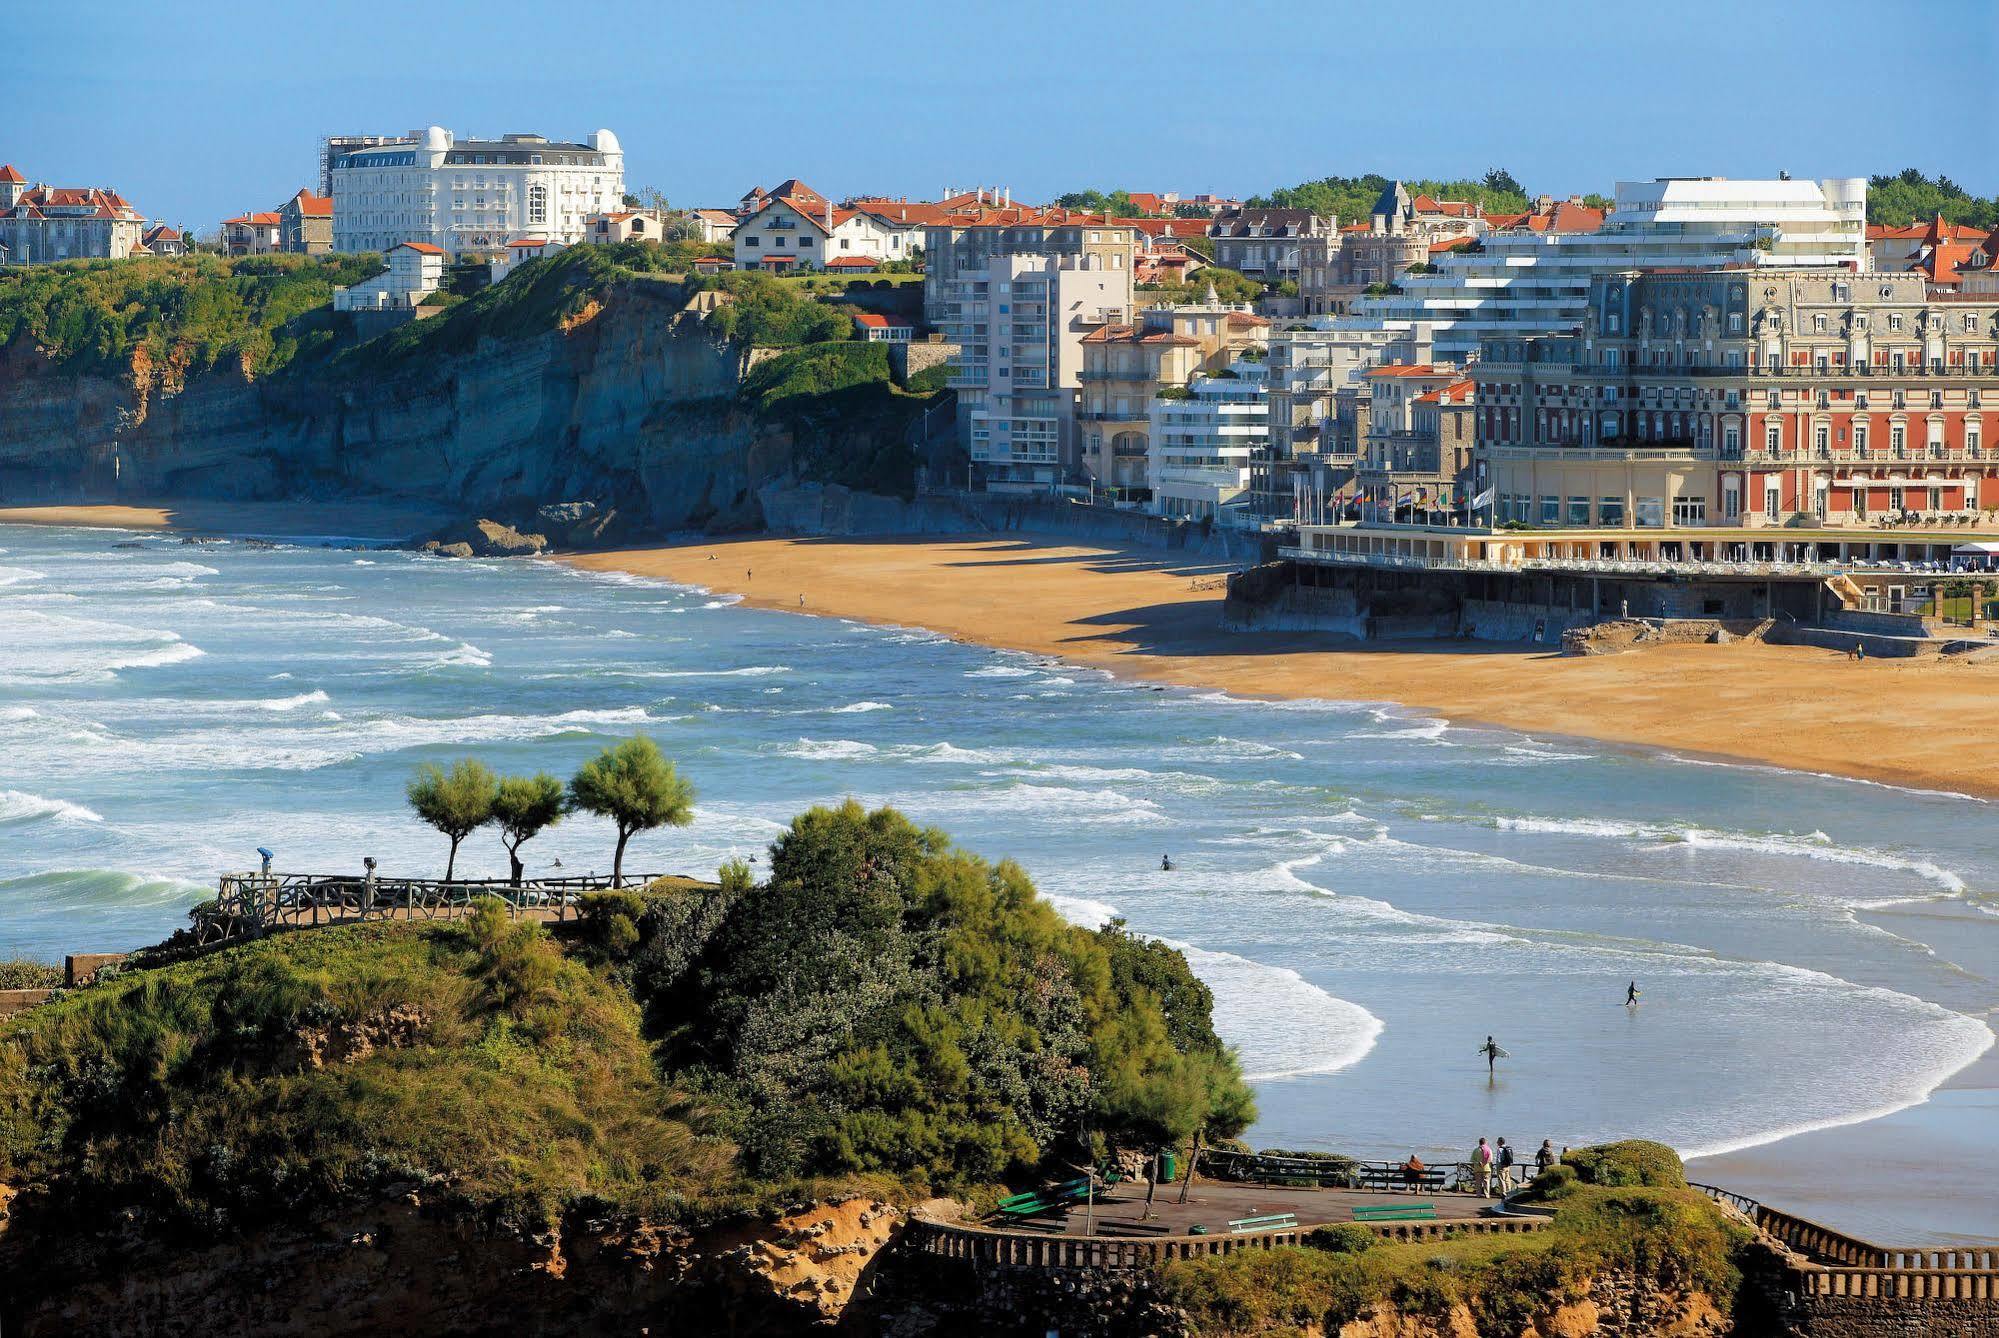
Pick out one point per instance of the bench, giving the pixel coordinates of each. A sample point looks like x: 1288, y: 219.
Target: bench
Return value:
x: 1036, y: 1202
x: 1385, y: 1181
x: 1268, y: 1222
x: 1397, y: 1212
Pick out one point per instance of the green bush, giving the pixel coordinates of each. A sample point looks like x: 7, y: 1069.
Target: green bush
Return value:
x: 886, y: 1002
x: 1344, y: 1238
x: 1633, y: 1162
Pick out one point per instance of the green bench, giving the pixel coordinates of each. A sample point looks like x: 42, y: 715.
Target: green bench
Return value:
x: 1268, y: 1222
x: 1036, y: 1202
x: 1397, y: 1212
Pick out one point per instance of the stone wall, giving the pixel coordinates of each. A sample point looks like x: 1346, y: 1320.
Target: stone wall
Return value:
x: 913, y: 359
x: 1892, y: 1317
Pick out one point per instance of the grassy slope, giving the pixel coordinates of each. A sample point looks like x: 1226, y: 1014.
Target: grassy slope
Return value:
x: 185, y: 1091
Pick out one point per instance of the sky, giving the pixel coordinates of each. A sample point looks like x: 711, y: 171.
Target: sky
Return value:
x: 195, y: 116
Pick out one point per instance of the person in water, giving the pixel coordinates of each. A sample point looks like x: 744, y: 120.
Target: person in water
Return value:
x: 1631, y: 993
x: 1492, y: 1052
x: 1166, y: 863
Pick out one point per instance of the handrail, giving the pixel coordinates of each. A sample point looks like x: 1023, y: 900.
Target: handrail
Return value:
x: 248, y: 903
x: 1854, y: 1258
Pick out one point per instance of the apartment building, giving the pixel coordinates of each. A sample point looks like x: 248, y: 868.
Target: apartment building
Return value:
x: 1125, y: 366
x: 1526, y: 280
x: 471, y: 195
x: 40, y: 223
x: 1264, y: 243
x: 415, y: 271
x: 251, y: 234
x: 1419, y: 457
x: 1748, y: 397
x: 1203, y: 437
x: 1318, y: 401
x: 1020, y: 332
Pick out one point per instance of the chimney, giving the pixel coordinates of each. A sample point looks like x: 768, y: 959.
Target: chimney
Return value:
x: 1009, y: 197
x: 829, y: 215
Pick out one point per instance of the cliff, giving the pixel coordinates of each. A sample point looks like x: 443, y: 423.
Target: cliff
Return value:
x: 626, y: 393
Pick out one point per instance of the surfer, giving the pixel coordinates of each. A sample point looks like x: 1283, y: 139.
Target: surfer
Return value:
x: 1493, y: 1054
x: 1631, y: 994
x: 1166, y: 863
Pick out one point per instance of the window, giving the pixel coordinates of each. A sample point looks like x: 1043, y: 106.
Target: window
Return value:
x: 1822, y: 440
x: 1651, y: 513
x: 1579, y: 511
x: 1731, y: 500
x: 1731, y: 441
x: 1895, y: 321
x: 1898, y: 438
x: 1735, y: 322
x: 537, y: 204
x: 1551, y: 510
x: 1773, y: 500
x: 1690, y: 510
x: 752, y: 241
x: 1860, y: 437
x: 1773, y: 439
x: 1610, y: 512
x: 1818, y: 325
x: 1972, y: 435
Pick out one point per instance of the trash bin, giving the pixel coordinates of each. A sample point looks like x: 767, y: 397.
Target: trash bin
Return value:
x: 1169, y: 1167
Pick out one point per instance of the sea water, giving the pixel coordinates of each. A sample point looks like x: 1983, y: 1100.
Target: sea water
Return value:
x: 1369, y: 892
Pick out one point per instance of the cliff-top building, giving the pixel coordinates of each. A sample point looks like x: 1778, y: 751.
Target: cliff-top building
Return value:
x: 40, y: 224
x: 473, y: 195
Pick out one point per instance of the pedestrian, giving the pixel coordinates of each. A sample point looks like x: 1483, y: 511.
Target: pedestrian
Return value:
x: 1505, y: 1169
x: 1860, y: 651
x: 801, y: 601
x: 1481, y: 1168
x: 1544, y: 1157
x: 1493, y: 1054
x: 1631, y: 993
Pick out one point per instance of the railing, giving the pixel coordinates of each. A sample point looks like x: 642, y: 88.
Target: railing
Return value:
x: 1860, y: 1268
x: 247, y: 903
x: 1045, y: 1250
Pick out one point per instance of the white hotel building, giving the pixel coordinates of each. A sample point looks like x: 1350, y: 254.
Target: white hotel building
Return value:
x: 472, y: 194
x: 1524, y: 283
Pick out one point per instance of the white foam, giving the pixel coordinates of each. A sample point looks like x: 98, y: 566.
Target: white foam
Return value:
x: 748, y: 671
x: 312, y: 698
x: 20, y: 806
x: 999, y: 671
x: 855, y: 708
x: 829, y: 750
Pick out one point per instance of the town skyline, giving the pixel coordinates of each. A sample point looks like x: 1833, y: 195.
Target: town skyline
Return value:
x: 1385, y: 102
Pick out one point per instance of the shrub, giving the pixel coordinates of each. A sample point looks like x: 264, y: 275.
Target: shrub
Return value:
x: 1343, y: 1238
x: 1633, y: 1162
x: 20, y: 973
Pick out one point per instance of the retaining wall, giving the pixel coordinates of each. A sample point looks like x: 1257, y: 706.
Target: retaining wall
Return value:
x: 16, y: 1001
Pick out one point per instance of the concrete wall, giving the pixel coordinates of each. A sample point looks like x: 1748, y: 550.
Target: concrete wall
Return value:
x: 15, y: 1001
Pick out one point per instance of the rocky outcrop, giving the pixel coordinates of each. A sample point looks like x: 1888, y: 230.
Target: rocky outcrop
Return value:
x: 632, y: 410
x: 402, y: 1267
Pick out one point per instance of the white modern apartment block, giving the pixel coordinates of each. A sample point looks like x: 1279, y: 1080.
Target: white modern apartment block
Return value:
x: 1199, y: 452
x: 472, y: 194
x: 1522, y: 283
x: 1018, y: 376
x: 416, y: 269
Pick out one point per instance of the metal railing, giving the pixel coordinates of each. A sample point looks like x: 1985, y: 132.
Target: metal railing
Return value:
x: 249, y: 903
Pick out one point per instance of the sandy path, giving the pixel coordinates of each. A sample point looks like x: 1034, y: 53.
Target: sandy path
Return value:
x: 1927, y: 723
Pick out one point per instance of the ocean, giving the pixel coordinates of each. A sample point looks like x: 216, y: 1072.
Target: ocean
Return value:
x: 1370, y: 892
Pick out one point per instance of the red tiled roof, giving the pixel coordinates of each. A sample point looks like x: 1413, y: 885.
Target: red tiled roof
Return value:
x: 313, y: 206
x: 1941, y: 264
x: 162, y: 233
x: 1138, y: 334
x: 1406, y: 369
x: 9, y: 175
x: 853, y: 262
x: 253, y: 220
x: 1242, y: 320
x: 1146, y: 200
x: 421, y: 248
x: 527, y: 241
x: 1450, y: 244
x: 1458, y: 392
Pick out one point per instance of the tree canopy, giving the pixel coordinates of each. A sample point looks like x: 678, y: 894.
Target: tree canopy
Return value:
x: 633, y: 785
x: 1910, y: 197
x: 523, y: 806
x: 887, y: 1002
x: 1351, y: 199
x: 456, y: 802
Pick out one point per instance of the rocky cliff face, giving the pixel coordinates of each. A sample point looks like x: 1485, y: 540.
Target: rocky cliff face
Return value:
x: 631, y: 404
x: 398, y: 1267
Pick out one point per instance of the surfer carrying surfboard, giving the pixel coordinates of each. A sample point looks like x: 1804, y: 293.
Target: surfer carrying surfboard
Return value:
x: 1493, y: 1054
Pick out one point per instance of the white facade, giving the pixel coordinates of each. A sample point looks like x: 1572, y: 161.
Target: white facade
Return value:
x: 1199, y: 452
x: 472, y: 195
x: 1521, y: 283
x: 1020, y: 372
x: 416, y: 269
x: 798, y: 232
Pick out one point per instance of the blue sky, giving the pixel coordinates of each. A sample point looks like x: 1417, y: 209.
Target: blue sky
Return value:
x: 194, y: 116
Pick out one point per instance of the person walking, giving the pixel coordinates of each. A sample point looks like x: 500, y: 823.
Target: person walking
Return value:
x: 1544, y: 1157
x: 1631, y: 993
x: 1493, y: 1054
x: 1505, y: 1169
x: 1481, y: 1168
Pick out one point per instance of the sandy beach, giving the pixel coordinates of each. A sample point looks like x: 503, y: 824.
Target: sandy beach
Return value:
x: 380, y: 522
x: 1918, y: 723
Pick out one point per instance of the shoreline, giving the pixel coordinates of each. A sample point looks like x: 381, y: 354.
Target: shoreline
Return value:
x: 361, y: 522
x: 1155, y: 617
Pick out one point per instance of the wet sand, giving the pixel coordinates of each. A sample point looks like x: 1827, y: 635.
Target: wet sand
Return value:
x: 1156, y: 616
x: 375, y: 522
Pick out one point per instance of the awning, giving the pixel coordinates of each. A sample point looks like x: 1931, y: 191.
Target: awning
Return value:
x: 1987, y: 550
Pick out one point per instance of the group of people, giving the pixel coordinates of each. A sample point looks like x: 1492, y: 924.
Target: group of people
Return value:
x: 1491, y: 1165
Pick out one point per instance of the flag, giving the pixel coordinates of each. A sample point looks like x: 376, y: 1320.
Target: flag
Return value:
x: 1482, y: 501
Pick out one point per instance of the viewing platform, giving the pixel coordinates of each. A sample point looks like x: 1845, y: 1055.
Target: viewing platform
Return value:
x: 251, y: 903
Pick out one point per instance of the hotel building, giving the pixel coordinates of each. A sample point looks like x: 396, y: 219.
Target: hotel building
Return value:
x: 1748, y: 397
x: 40, y: 223
x: 1203, y: 438
x: 472, y: 194
x: 1516, y: 281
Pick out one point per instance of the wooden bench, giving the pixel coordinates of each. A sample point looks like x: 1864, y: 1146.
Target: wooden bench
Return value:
x: 1268, y: 1222
x: 1386, y: 1180
x: 1397, y: 1212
